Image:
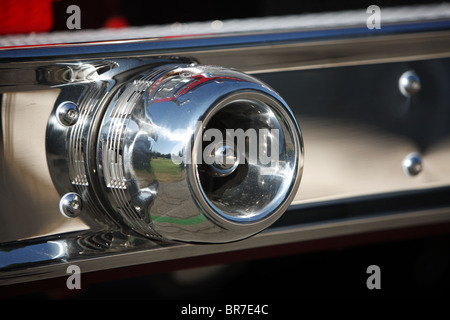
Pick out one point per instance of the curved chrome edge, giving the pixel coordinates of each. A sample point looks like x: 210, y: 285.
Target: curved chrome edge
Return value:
x: 150, y: 252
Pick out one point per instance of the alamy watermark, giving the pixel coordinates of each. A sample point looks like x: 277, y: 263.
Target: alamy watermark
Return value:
x: 374, y: 20
x: 74, y: 20
x: 374, y: 280
x: 234, y: 146
x: 74, y: 280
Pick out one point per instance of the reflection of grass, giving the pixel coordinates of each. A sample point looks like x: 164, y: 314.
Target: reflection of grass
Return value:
x: 166, y: 170
x: 187, y: 221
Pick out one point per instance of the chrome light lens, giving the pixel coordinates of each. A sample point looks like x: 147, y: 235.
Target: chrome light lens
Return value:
x: 179, y: 152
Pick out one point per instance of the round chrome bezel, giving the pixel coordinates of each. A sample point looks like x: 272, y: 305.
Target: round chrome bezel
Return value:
x: 268, y: 215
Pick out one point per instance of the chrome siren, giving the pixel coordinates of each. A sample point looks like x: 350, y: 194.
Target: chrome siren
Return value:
x: 175, y: 151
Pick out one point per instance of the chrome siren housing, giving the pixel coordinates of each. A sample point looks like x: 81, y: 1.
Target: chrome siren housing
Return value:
x: 177, y: 151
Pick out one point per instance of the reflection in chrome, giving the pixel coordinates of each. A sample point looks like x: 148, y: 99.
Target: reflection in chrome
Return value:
x: 135, y: 155
x: 59, y: 74
x: 182, y: 200
x: 226, y: 159
x: 95, y: 242
x: 41, y: 252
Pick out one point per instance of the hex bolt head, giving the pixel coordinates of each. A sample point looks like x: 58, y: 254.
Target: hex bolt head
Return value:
x: 409, y: 83
x: 412, y: 164
x: 71, y: 205
x: 67, y: 113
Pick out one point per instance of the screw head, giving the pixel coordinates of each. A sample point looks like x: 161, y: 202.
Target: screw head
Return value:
x: 67, y: 113
x: 409, y: 83
x: 70, y: 205
x: 412, y: 164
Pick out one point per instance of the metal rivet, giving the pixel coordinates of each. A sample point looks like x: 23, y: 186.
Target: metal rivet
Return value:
x: 70, y: 205
x: 412, y: 164
x: 409, y: 83
x: 67, y: 113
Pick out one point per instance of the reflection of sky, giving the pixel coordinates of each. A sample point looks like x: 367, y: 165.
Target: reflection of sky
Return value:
x: 33, y: 253
x: 174, y: 107
x: 171, y: 140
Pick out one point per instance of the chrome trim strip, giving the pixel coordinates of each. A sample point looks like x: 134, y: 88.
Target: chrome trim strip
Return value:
x: 158, y: 46
x: 331, y: 53
x: 263, y: 57
x: 154, y: 252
